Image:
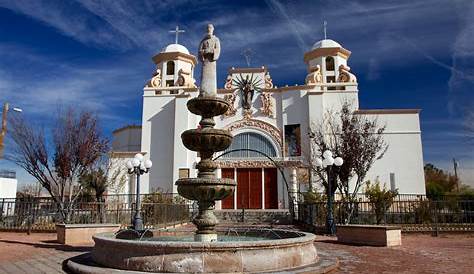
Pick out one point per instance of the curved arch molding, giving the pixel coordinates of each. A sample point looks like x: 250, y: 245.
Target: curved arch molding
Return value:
x: 271, y: 130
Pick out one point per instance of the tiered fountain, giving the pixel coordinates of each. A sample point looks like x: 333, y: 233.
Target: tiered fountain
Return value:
x: 248, y: 250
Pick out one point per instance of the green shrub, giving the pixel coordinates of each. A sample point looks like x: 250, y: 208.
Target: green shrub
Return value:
x: 380, y: 198
x: 313, y: 197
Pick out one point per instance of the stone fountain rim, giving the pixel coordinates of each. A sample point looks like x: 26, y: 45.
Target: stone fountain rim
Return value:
x: 270, y: 243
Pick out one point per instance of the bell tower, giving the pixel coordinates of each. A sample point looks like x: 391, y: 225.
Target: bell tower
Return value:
x: 174, y: 68
x: 327, y: 63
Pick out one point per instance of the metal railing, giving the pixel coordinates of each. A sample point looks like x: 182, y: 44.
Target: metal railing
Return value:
x: 302, y: 197
x: 41, y: 214
x: 432, y: 215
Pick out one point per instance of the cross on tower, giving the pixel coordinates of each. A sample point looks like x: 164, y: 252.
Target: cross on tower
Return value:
x: 324, y: 27
x: 177, y: 31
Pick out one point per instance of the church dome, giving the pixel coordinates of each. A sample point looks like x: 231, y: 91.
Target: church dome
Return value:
x: 326, y: 43
x: 175, y: 48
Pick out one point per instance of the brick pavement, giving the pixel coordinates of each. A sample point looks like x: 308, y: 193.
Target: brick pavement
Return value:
x: 38, y: 253
x: 35, y: 253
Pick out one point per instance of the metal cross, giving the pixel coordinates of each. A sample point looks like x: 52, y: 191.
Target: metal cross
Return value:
x: 177, y: 31
x: 325, y: 24
x: 247, y: 53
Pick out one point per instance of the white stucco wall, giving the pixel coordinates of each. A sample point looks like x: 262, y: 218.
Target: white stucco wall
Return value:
x: 127, y: 139
x: 8, y: 187
x: 404, y: 157
x: 158, y: 124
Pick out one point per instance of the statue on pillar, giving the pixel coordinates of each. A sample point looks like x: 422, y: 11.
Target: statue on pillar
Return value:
x: 209, y: 51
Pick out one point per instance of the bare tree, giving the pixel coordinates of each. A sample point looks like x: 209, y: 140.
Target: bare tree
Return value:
x: 356, y: 138
x: 77, y: 143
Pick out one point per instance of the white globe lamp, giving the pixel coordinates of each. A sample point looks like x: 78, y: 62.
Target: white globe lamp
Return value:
x: 129, y: 164
x: 338, y: 161
x: 135, y: 162
x: 328, y: 161
x: 327, y: 154
x: 148, y: 164
x: 139, y: 156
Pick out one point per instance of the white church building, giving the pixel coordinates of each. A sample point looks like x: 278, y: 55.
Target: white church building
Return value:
x: 272, y: 120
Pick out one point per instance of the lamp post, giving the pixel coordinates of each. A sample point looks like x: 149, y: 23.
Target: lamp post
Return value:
x: 6, y: 108
x: 138, y: 166
x: 328, y: 163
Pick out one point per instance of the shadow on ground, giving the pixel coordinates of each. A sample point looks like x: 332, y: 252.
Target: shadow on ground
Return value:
x: 51, y: 244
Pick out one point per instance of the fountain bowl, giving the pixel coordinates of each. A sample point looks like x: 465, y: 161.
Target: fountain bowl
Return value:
x: 206, y: 139
x: 208, y: 106
x: 279, y: 250
x: 205, y: 189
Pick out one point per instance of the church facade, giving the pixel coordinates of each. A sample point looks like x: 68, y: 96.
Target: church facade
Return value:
x: 270, y: 125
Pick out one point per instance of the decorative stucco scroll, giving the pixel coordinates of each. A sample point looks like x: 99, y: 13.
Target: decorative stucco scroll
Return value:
x: 230, y: 98
x: 274, y: 132
x: 247, y: 113
x: 155, y: 81
x: 314, y: 77
x: 257, y: 163
x: 228, y: 83
x: 345, y: 75
x: 268, y: 81
x: 185, y: 79
x: 267, y: 104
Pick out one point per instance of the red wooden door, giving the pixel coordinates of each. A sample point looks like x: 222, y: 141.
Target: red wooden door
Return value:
x: 249, y: 188
x: 271, y: 190
x: 228, y: 202
x: 255, y: 188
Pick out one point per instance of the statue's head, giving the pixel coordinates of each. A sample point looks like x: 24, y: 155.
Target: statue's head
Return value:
x: 210, y: 29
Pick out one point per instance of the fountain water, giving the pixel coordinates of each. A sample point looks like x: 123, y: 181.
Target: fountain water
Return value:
x: 236, y: 250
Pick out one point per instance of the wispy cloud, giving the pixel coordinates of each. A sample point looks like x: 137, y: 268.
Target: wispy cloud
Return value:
x: 462, y: 75
x: 294, y: 26
x: 70, y: 19
x: 39, y: 84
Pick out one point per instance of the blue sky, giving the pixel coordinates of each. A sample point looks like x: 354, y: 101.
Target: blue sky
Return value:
x: 97, y: 55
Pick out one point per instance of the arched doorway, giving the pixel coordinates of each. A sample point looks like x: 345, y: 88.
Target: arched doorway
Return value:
x: 257, y: 187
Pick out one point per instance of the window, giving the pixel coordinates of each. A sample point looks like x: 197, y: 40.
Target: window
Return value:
x: 169, y: 83
x: 329, y: 63
x: 331, y: 79
x: 170, y: 68
x: 183, y: 173
x: 293, y: 140
x: 250, y: 140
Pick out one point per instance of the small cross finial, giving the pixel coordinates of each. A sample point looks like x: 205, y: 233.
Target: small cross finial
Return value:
x: 247, y: 53
x: 325, y: 34
x: 177, y: 31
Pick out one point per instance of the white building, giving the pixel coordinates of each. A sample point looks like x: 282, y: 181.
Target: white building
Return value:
x: 274, y: 120
x: 8, y: 188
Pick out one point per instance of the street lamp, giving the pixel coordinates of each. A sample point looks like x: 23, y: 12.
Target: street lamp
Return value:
x: 3, y: 132
x: 327, y: 163
x: 138, y: 166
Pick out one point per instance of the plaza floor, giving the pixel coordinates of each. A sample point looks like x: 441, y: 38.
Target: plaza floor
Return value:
x: 39, y: 253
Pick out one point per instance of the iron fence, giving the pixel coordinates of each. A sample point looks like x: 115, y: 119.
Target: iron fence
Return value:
x: 41, y: 214
x: 410, y: 215
x: 308, y: 197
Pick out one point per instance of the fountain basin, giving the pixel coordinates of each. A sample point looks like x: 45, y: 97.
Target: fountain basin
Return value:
x: 205, y: 189
x: 208, y: 106
x: 206, y: 139
x: 292, y: 250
